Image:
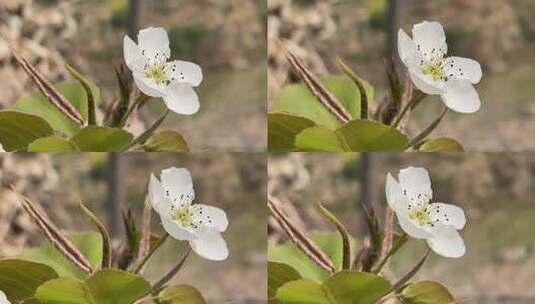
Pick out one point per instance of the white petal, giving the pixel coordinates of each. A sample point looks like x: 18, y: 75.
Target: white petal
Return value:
x: 132, y: 55
x: 210, y: 245
x: 3, y: 298
x: 182, y: 99
x: 463, y: 68
x: 448, y: 214
x: 147, y: 86
x: 461, y: 96
x: 412, y: 229
x: 395, y: 198
x: 156, y: 192
x: 430, y: 37
x: 214, y: 217
x: 406, y: 49
x: 154, y: 43
x: 2, y: 149
x: 179, y: 71
x: 447, y: 242
x: 425, y: 83
x: 176, y: 231
x: 417, y: 184
x: 177, y: 181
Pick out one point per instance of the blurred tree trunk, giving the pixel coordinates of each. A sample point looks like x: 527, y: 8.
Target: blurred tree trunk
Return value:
x: 393, y: 19
x: 134, y: 17
x: 116, y: 192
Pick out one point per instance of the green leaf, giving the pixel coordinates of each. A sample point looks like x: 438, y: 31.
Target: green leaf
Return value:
x: 103, y: 287
x: 282, y: 129
x: 320, y: 138
x: 278, y: 275
x: 181, y: 294
x: 51, y: 144
x: 18, y: 129
x: 166, y: 141
x: 366, y: 135
x: 329, y: 243
x: 357, y: 287
x: 442, y: 144
x: 19, y: 279
x: 101, y: 139
x: 426, y: 292
x: 90, y: 244
x: 342, y: 288
x: 73, y: 92
x: 297, y: 99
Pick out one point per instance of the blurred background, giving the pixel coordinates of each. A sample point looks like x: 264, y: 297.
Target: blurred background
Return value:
x: 235, y: 182
x: 227, y: 38
x: 500, y: 34
x: 496, y: 191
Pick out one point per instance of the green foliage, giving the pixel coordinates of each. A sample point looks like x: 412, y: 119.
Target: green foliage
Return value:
x: 344, y: 287
x: 330, y: 243
x: 18, y: 129
x: 298, y: 100
x: 103, y: 287
x: 101, y: 139
x: 278, y: 275
x: 19, y: 279
x: 74, y: 92
x: 180, y: 294
x: 51, y: 144
x: 283, y: 129
x: 90, y: 244
x: 319, y: 138
x: 426, y: 292
x: 442, y: 144
x: 366, y: 135
x: 166, y: 141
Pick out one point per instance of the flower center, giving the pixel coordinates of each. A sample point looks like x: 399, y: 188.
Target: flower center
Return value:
x: 157, y: 74
x: 434, y: 69
x: 420, y: 215
x: 183, y: 217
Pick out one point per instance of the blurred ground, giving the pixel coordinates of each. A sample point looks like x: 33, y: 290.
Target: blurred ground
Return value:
x: 500, y: 34
x: 235, y: 182
x: 496, y: 191
x: 227, y: 38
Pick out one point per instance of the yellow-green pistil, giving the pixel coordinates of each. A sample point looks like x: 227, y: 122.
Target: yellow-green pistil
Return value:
x: 420, y: 215
x: 157, y: 74
x: 433, y: 69
x: 182, y: 216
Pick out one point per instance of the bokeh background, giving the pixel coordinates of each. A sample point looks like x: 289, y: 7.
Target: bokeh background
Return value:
x: 227, y: 38
x: 235, y: 182
x: 496, y: 191
x: 500, y: 34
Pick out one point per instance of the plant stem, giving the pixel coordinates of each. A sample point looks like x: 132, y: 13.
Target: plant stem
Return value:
x: 416, y: 98
x: 141, y: 98
x: 172, y: 272
x: 151, y: 252
x: 145, y: 135
x: 106, y: 242
x: 397, y: 245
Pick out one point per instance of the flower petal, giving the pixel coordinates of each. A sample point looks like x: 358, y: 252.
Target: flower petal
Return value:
x: 154, y: 44
x: 412, y: 229
x: 176, y: 231
x: 447, y: 242
x: 3, y: 298
x: 182, y: 99
x: 425, y: 83
x: 132, y: 54
x: 447, y: 214
x: 430, y: 37
x: 394, y: 196
x: 461, y: 96
x: 156, y: 192
x: 406, y: 49
x: 463, y: 68
x: 214, y: 217
x: 178, y: 182
x: 210, y: 245
x: 416, y: 185
x: 179, y: 71
x: 147, y: 86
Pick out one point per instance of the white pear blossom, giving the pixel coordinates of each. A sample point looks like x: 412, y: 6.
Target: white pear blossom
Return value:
x: 450, y: 77
x: 156, y: 76
x: 420, y: 217
x: 2, y: 151
x: 172, y: 197
x: 3, y: 298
